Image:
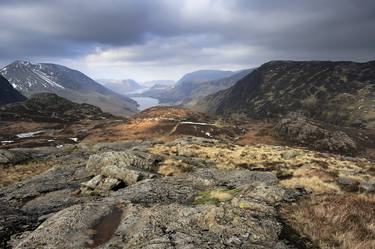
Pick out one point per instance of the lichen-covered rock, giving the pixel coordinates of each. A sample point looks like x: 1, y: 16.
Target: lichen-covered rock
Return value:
x: 248, y: 222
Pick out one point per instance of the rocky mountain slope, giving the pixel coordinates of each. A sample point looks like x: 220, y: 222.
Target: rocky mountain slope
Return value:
x: 71, y: 84
x: 340, y: 93
x: 188, y: 84
x: 122, y: 87
x: 49, y: 107
x: 8, y: 94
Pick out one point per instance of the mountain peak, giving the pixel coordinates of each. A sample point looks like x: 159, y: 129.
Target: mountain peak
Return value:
x: 21, y: 63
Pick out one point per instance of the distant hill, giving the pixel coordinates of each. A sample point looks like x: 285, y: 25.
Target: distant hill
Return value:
x: 335, y: 92
x: 187, y: 85
x: 209, y: 87
x: 49, y: 107
x: 71, y: 84
x: 8, y: 94
x: 122, y: 87
x: 149, y: 84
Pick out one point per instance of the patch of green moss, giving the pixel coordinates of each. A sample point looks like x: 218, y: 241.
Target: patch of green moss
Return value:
x: 215, y: 196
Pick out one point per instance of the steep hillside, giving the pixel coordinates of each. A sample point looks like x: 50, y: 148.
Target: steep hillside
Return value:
x: 71, y: 84
x: 336, y: 92
x: 209, y: 87
x: 48, y: 107
x: 8, y: 94
x: 122, y: 87
x: 195, y: 85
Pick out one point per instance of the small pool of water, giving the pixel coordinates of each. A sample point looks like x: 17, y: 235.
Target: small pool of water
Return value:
x: 145, y: 102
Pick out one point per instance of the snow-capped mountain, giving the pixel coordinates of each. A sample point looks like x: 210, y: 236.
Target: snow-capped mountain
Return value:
x: 68, y: 83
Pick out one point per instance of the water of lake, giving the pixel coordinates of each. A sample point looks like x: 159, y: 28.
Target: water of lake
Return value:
x: 145, y: 102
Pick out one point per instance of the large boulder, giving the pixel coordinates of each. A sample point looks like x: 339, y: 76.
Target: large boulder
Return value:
x: 119, y: 168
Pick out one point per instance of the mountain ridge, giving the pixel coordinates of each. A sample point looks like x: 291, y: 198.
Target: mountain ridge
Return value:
x: 336, y: 92
x: 49, y: 107
x: 72, y: 84
x: 195, y: 85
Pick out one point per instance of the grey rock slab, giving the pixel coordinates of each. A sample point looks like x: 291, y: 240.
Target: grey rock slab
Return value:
x: 8, y: 157
x: 52, y: 180
x: 69, y: 228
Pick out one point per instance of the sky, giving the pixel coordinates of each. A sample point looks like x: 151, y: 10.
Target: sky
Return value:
x: 164, y: 39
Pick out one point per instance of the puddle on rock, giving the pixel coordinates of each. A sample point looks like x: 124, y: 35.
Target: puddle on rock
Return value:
x: 103, y: 231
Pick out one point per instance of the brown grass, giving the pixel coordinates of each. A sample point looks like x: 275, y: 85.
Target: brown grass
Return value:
x: 20, y: 172
x: 335, y: 221
x: 171, y: 167
x: 258, y: 132
x: 171, y: 112
x: 136, y: 129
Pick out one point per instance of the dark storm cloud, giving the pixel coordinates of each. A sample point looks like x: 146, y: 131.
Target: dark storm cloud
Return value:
x: 182, y: 31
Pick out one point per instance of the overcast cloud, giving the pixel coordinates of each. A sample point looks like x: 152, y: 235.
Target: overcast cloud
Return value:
x: 163, y: 39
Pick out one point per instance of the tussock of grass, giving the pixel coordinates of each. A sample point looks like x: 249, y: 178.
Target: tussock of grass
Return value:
x: 333, y: 222
x: 314, y: 184
x: 173, y: 168
x: 216, y: 196
x: 22, y: 171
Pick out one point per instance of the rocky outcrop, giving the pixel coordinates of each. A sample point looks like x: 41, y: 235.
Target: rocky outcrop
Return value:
x: 298, y: 129
x: 91, y: 199
x: 119, y: 169
x: 193, y: 193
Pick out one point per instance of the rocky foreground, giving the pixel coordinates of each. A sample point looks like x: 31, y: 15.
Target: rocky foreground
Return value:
x: 188, y: 193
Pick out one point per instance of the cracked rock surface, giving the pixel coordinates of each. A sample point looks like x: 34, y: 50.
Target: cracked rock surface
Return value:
x: 145, y: 195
